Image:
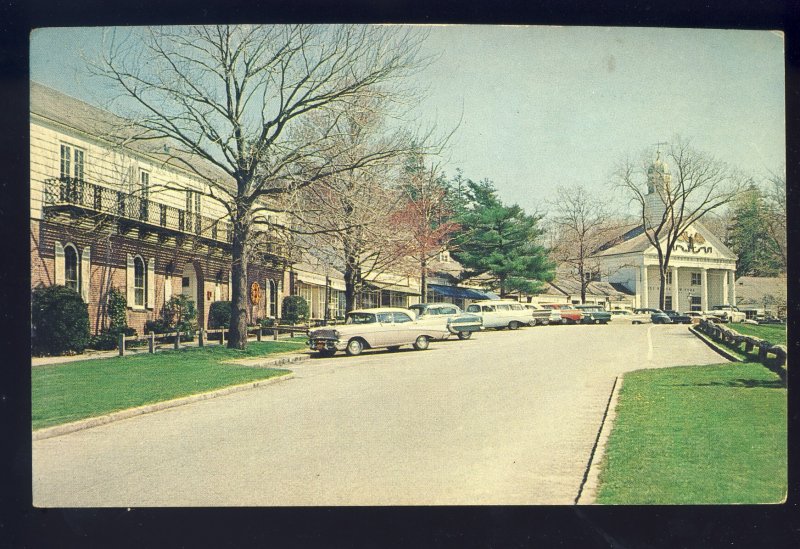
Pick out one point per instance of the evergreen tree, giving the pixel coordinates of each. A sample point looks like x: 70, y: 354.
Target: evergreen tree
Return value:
x: 500, y: 241
x: 748, y: 236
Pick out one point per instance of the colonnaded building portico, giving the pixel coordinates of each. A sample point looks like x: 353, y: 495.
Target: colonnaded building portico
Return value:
x: 701, y: 271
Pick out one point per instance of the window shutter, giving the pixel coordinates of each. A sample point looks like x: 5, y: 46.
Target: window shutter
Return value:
x: 129, y: 290
x: 230, y: 286
x: 167, y: 288
x: 150, y: 283
x: 279, y: 299
x: 59, y: 265
x: 85, y: 273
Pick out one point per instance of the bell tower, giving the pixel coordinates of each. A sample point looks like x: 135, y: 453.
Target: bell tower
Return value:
x: 658, y: 191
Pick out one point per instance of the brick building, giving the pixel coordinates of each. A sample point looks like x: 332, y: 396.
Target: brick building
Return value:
x: 134, y: 218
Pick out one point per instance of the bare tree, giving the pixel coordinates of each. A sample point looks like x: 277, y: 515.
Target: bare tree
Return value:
x: 425, y: 216
x: 581, y: 223
x: 229, y: 100
x: 691, y: 185
x: 776, y: 220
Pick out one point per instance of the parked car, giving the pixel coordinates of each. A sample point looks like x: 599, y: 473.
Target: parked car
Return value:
x: 500, y: 313
x: 373, y: 329
x: 657, y: 316
x: 542, y: 315
x: 696, y: 316
x: 448, y: 318
x: 726, y: 313
x: 594, y: 314
x: 678, y: 318
x: 771, y: 320
x: 569, y: 314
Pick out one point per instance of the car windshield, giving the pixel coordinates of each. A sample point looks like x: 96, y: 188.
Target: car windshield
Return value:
x: 360, y: 318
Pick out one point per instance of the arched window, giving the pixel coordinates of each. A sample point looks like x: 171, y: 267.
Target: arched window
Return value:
x: 138, y: 281
x: 71, y: 268
x: 273, y: 298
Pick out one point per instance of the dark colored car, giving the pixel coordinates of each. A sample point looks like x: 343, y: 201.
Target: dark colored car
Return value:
x: 678, y: 318
x: 657, y: 316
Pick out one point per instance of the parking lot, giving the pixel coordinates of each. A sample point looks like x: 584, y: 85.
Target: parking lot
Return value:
x: 507, y: 417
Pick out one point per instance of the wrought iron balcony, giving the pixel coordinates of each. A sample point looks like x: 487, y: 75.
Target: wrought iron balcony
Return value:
x: 96, y: 198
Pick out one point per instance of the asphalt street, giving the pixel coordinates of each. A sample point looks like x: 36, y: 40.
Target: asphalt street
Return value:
x: 504, y: 418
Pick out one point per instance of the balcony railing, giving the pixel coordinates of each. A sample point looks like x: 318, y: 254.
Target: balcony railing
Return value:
x: 67, y: 191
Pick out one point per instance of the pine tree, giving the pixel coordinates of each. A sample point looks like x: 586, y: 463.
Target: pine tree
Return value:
x: 748, y: 236
x: 500, y: 241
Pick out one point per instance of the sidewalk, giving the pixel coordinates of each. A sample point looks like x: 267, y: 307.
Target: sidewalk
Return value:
x: 91, y: 354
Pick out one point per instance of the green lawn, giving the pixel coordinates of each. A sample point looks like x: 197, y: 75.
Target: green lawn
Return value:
x: 697, y: 434
x: 774, y: 333
x: 67, y: 392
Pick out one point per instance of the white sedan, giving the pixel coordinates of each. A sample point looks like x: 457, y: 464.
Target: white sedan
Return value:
x: 373, y: 329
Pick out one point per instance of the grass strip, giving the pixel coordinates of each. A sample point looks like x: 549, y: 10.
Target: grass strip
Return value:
x: 697, y: 435
x: 774, y: 333
x: 61, y: 393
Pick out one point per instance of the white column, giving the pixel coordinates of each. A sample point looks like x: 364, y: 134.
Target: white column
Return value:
x: 645, y: 298
x: 676, y: 306
x: 704, y: 288
x: 725, y: 296
x: 731, y: 287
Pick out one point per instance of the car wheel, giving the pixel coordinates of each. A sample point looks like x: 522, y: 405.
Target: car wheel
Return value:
x: 393, y: 348
x: 421, y: 343
x: 326, y: 354
x: 513, y: 325
x: 354, y: 347
x: 464, y: 335
x: 597, y: 321
x: 635, y: 322
x: 532, y: 322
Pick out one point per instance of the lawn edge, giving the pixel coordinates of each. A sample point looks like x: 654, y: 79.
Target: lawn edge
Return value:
x: 715, y: 347
x: 96, y: 421
x: 588, y: 493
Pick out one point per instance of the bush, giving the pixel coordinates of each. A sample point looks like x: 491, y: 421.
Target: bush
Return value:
x: 59, y: 321
x: 157, y: 326
x: 295, y: 309
x: 179, y: 313
x: 219, y: 315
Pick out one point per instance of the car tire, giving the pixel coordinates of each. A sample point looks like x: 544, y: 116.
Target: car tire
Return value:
x: 354, y: 347
x: 597, y: 321
x: 421, y: 343
x: 532, y: 322
x: 635, y: 322
x: 513, y: 325
x: 464, y: 335
x: 393, y: 348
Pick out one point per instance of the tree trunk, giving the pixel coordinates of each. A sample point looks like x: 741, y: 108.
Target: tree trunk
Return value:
x: 662, y: 282
x: 237, y: 338
x: 423, y: 284
x: 584, y: 282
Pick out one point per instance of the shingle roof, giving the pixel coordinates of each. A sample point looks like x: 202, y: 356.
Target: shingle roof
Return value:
x: 573, y: 287
x: 751, y: 290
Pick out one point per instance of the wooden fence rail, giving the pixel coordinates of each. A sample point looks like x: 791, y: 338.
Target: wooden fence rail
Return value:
x: 202, y: 336
x: 733, y: 338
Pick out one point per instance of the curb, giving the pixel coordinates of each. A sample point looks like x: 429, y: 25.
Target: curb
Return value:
x: 588, y: 491
x: 80, y: 425
x: 719, y: 350
x: 254, y: 363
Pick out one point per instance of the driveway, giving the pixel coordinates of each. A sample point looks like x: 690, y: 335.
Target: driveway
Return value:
x: 504, y: 418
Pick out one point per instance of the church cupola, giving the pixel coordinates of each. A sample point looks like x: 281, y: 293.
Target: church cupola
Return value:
x: 658, y: 191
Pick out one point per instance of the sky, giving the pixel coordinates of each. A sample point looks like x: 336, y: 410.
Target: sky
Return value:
x: 538, y: 107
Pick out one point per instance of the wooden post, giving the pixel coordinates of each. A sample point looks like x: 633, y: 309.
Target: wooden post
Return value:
x: 222, y: 336
x: 151, y: 343
x: 258, y: 334
x: 122, y: 344
x: 275, y: 332
x: 177, y: 339
x: 200, y: 342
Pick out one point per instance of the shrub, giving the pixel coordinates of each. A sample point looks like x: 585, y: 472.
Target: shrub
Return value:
x: 116, y: 307
x: 179, y: 313
x: 59, y: 321
x: 295, y: 309
x: 157, y: 326
x: 219, y: 315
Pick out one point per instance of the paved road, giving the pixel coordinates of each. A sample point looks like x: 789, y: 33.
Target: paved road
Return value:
x: 505, y: 418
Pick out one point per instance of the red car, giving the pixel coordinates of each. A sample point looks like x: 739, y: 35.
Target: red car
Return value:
x: 569, y: 315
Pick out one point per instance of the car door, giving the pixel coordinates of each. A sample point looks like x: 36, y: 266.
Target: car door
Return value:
x: 405, y: 329
x: 385, y: 332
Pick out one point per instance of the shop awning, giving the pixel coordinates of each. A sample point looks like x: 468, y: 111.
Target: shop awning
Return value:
x: 461, y: 293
